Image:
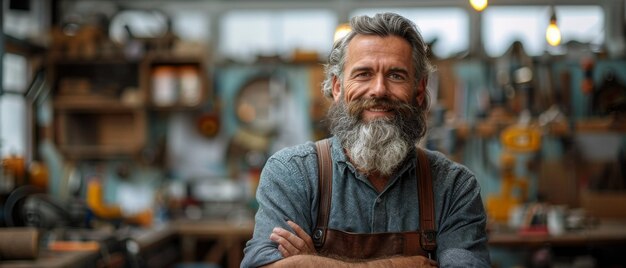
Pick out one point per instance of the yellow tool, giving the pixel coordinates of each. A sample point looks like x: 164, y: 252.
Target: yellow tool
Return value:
x: 106, y: 211
x: 515, y: 139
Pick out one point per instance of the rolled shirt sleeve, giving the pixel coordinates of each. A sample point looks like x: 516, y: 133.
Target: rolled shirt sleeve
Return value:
x: 283, y: 194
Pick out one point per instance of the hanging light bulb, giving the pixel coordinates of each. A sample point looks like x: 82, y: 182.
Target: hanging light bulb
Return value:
x: 479, y: 5
x: 341, y: 31
x: 553, y: 33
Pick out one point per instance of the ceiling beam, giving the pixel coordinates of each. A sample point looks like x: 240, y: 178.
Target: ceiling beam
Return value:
x: 324, y: 4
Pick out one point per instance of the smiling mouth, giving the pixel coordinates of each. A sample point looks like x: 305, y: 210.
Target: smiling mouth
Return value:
x: 373, y: 106
x: 379, y: 109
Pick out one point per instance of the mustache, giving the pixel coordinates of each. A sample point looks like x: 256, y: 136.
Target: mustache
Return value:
x: 400, y: 108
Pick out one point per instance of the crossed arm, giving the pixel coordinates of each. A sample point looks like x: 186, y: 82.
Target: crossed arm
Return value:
x: 298, y: 251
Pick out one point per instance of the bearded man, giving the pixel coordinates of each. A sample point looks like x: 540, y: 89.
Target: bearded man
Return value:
x: 369, y: 196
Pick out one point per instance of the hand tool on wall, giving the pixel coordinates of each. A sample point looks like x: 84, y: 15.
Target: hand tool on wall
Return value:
x: 516, y: 139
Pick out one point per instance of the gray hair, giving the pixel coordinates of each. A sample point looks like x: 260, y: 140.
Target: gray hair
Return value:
x: 382, y: 24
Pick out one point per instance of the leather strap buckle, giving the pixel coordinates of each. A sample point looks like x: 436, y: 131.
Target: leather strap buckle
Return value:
x: 428, y: 240
x: 319, y: 235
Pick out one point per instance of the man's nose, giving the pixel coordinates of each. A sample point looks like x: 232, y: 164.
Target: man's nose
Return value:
x: 378, y: 88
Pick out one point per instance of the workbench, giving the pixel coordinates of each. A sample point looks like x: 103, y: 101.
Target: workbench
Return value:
x: 56, y: 259
x: 604, y: 242
x: 605, y: 233
x: 223, y: 242
x: 176, y: 241
x: 226, y: 238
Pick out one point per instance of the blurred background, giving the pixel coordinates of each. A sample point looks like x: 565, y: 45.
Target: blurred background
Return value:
x: 133, y: 132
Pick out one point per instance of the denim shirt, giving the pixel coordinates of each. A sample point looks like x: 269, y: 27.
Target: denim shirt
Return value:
x: 288, y: 190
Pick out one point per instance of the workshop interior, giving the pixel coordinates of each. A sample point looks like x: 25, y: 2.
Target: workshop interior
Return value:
x: 133, y: 133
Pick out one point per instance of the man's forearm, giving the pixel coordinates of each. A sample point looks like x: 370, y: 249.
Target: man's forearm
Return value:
x: 306, y: 261
x: 314, y: 261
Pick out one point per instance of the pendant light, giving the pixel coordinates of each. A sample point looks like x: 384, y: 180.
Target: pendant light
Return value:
x: 479, y: 5
x: 553, y: 33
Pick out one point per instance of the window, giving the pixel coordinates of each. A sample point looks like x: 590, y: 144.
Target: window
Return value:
x: 448, y: 26
x: 584, y: 24
x: 139, y: 23
x: 246, y: 34
x: 501, y: 26
x: 191, y: 24
x: 186, y: 24
x: 26, y: 24
x: 13, y: 121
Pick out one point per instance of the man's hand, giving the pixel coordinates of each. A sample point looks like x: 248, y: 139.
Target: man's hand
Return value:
x: 293, y: 244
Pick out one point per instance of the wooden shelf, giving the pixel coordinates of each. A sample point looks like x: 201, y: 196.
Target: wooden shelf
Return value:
x: 95, y: 104
x: 101, y: 130
x: 101, y: 104
x: 98, y: 107
x: 491, y: 128
x: 91, y: 61
x: 100, y: 151
x: 601, y: 124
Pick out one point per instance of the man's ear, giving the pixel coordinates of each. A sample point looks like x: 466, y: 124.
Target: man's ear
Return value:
x: 421, y: 91
x: 336, y: 88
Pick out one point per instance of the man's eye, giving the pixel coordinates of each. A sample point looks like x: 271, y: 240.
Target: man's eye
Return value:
x: 395, y: 76
x: 365, y: 74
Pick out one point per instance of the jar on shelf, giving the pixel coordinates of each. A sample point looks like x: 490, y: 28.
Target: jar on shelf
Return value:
x: 164, y: 86
x: 190, y: 88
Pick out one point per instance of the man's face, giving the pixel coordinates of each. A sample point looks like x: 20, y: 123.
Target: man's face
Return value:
x: 378, y: 71
x: 378, y: 112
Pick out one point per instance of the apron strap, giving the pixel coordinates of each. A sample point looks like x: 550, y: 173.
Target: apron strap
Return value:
x: 325, y: 178
x: 428, y: 239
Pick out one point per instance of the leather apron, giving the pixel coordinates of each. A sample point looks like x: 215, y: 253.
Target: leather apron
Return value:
x: 363, y: 246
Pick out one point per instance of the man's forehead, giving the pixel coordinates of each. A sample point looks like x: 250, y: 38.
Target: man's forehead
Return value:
x: 394, y: 50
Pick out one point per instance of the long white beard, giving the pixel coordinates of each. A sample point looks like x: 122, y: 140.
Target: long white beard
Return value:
x: 377, y: 146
